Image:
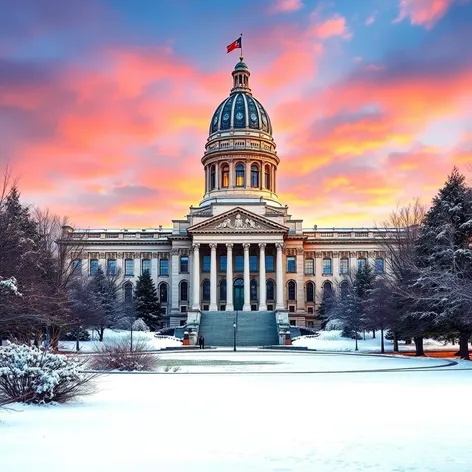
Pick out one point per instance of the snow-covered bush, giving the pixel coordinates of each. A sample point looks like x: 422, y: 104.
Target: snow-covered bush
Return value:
x: 140, y: 325
x: 334, y: 324
x: 9, y: 287
x: 118, y: 355
x: 71, y: 335
x: 31, y: 375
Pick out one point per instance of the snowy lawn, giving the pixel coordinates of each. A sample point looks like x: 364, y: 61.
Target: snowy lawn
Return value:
x: 333, y: 341
x: 376, y: 421
x: 113, y: 335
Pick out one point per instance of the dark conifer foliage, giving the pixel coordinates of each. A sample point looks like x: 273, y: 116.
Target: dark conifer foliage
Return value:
x: 147, y: 304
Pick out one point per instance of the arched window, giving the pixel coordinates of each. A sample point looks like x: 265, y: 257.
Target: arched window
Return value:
x: 128, y: 292
x: 291, y: 290
x: 212, y: 177
x: 253, y: 290
x: 223, y: 290
x: 225, y: 176
x: 310, y: 292
x: 255, y: 175
x: 240, y: 175
x: 344, y: 288
x: 327, y: 289
x: 163, y: 291
x: 270, y: 290
x: 184, y: 291
x: 267, y: 177
x: 206, y: 290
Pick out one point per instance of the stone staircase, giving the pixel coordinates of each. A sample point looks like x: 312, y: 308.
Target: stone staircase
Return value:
x: 253, y: 328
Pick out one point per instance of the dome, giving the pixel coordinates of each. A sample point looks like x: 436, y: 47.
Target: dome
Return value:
x: 240, y: 111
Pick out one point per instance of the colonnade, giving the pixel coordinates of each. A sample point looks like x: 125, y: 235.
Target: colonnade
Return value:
x: 229, y: 277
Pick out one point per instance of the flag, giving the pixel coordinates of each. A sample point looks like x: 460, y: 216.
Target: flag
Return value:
x: 234, y: 45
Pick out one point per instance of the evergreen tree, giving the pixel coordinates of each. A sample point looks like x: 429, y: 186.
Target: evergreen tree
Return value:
x: 444, y: 260
x: 147, y: 304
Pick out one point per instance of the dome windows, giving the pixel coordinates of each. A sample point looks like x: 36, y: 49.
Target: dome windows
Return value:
x: 225, y: 176
x: 240, y: 175
x: 255, y: 176
x: 267, y: 177
x: 212, y: 177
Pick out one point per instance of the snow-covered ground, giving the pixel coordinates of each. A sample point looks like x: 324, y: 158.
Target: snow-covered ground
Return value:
x: 415, y: 421
x: 333, y: 341
x: 154, y: 343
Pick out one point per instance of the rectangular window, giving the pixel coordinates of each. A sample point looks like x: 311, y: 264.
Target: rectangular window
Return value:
x: 111, y: 266
x: 327, y: 267
x: 309, y: 266
x: 361, y: 264
x: 146, y: 266
x: 239, y: 263
x: 129, y: 267
x: 253, y: 264
x: 270, y: 264
x: 379, y: 266
x: 93, y: 266
x: 291, y: 264
x: 184, y: 265
x: 344, y: 266
x: 223, y: 262
x: 206, y: 264
x: 164, y: 267
x: 77, y: 267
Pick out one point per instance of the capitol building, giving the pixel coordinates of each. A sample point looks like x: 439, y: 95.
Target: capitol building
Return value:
x: 239, y: 249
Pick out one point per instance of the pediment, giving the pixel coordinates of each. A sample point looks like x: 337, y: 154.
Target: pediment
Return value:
x: 238, y: 220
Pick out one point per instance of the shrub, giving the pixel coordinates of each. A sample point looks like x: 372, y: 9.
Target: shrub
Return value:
x: 71, y: 335
x: 116, y: 355
x: 140, y: 325
x: 31, y: 375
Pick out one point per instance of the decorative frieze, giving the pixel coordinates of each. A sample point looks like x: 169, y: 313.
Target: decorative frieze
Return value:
x: 119, y: 255
x: 129, y: 255
x: 380, y: 254
x: 300, y: 251
x: 344, y: 254
x: 146, y: 255
x: 110, y: 255
x: 291, y: 251
x: 309, y: 255
x: 93, y: 255
x: 327, y: 254
x: 362, y: 254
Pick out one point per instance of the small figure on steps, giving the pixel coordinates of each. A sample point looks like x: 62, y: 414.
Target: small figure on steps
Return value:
x: 201, y: 342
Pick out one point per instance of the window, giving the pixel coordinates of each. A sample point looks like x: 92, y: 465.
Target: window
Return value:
x: 129, y: 267
x: 291, y: 309
x: 327, y: 266
x: 223, y: 290
x: 379, y: 265
x: 223, y: 262
x: 344, y: 289
x: 183, y: 309
x: 111, y: 266
x: 93, y: 266
x: 270, y: 290
x: 240, y: 175
x: 309, y: 266
x: 291, y: 290
x: 206, y: 290
x: 239, y: 263
x: 253, y: 264
x: 327, y: 290
x: 344, y: 265
x: 269, y: 263
x: 163, y: 289
x: 225, y: 176
x: 164, y: 267
x: 128, y: 292
x: 361, y: 263
x: 77, y: 267
x: 146, y: 266
x: 267, y: 177
x: 291, y: 265
x: 253, y: 290
x: 254, y: 176
x: 184, y: 291
x: 310, y: 292
x: 184, y: 265
x: 212, y: 177
x: 206, y: 263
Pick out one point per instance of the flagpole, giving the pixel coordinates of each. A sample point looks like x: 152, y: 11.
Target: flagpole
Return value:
x: 242, y: 57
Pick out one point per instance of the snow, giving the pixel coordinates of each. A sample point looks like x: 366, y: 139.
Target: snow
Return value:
x: 333, y: 341
x: 154, y: 343
x: 357, y: 422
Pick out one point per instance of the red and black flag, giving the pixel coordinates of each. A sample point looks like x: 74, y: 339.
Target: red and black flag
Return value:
x: 235, y: 45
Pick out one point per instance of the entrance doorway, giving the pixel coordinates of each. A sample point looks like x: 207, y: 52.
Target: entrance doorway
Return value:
x: 238, y: 294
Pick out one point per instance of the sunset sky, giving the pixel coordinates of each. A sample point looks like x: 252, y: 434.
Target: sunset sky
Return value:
x: 105, y: 105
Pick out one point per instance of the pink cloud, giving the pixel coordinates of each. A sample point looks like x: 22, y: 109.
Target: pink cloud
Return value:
x: 335, y: 26
x: 284, y: 6
x: 423, y: 12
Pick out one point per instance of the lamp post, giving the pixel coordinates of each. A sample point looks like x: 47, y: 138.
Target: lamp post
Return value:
x: 234, y: 336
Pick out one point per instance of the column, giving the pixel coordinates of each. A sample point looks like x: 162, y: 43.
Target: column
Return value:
x: 280, y: 278
x: 196, y: 277
x: 229, y: 277
x: 213, y: 305
x: 336, y: 264
x: 174, y: 281
x: 300, y: 278
x: 231, y: 174
x: 247, y: 286
x: 262, y: 278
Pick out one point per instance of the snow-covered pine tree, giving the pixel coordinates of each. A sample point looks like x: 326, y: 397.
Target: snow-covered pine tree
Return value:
x: 146, y: 301
x: 444, y: 259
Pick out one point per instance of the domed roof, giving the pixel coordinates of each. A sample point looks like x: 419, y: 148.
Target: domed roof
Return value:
x: 239, y: 111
